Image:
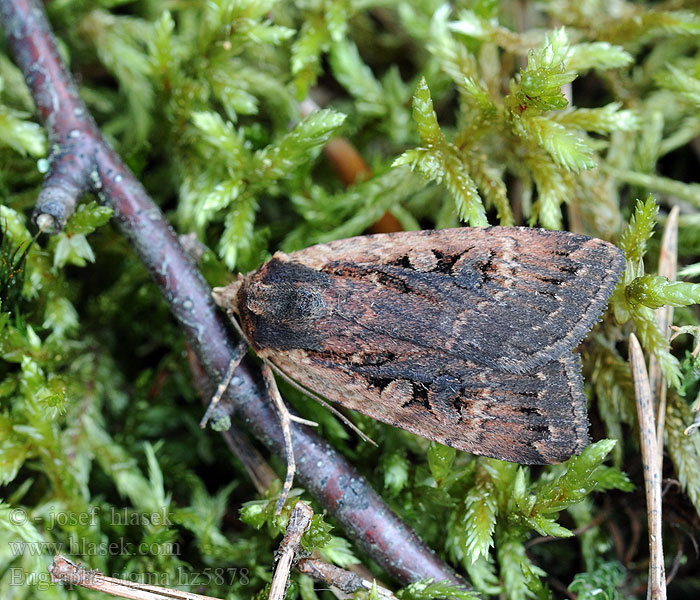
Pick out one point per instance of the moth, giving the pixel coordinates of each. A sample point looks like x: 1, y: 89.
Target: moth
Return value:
x: 463, y: 336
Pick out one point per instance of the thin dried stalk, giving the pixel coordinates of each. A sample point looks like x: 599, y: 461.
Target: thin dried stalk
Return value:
x: 65, y: 570
x: 668, y: 260
x: 652, y: 476
x: 299, y: 521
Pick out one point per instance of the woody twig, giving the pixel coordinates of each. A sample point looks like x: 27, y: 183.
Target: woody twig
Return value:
x: 656, y: 589
x: 290, y: 555
x: 339, y: 579
x: 343, y: 583
x: 81, y: 161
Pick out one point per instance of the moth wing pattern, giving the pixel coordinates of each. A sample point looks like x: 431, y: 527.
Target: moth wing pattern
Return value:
x: 533, y: 418
x: 492, y: 291
x: 463, y: 336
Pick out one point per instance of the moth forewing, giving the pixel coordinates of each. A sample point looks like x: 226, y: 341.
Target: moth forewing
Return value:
x: 464, y: 336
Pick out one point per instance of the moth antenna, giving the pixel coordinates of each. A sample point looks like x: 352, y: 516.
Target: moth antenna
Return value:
x: 285, y: 421
x: 363, y: 436
x: 236, y: 358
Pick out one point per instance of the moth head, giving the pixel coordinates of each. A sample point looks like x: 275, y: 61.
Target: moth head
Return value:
x: 283, y: 291
x: 292, y: 302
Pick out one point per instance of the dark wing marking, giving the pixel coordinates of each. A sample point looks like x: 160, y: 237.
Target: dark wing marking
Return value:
x: 508, y: 298
x: 533, y: 418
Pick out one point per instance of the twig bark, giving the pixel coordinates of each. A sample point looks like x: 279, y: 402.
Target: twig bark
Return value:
x: 656, y: 589
x: 341, y: 579
x: 82, y: 161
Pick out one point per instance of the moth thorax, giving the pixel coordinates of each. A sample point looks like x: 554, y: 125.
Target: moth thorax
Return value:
x: 298, y: 302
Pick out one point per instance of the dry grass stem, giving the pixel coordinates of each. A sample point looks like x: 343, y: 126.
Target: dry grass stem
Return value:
x: 299, y: 521
x: 652, y: 476
x: 66, y: 571
x: 668, y: 261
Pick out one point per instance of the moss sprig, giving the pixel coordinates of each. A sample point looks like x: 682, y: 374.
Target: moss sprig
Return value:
x: 558, y: 117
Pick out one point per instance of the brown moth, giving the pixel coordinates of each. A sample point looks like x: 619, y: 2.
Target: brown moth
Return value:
x: 463, y: 336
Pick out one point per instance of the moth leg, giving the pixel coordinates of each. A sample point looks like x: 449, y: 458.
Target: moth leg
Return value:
x: 307, y: 392
x: 302, y: 420
x: 285, y: 420
x: 236, y: 358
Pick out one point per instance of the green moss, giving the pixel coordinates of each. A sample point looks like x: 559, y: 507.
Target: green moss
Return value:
x: 471, y: 113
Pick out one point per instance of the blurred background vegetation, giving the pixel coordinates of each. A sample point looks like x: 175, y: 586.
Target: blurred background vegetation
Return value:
x: 559, y: 114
